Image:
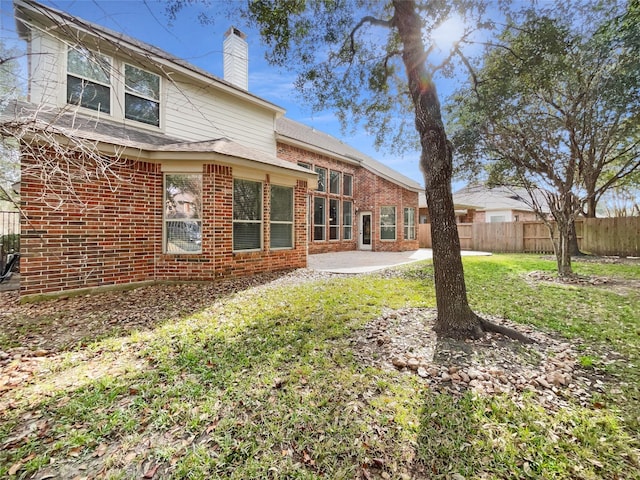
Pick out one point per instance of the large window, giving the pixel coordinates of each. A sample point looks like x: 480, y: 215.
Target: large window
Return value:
x: 142, y: 96
x: 347, y: 185
x: 334, y: 219
x: 319, y: 218
x: 410, y: 223
x: 281, y: 217
x: 347, y: 220
x: 334, y: 182
x: 247, y: 215
x: 387, y: 223
x: 322, y: 179
x: 183, y: 213
x: 89, y: 80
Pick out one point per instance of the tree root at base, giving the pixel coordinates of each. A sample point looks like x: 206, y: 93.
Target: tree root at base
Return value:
x: 488, y: 326
x: 478, y: 327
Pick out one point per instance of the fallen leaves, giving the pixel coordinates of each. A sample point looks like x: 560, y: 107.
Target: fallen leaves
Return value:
x: 15, y: 468
x: 150, y: 473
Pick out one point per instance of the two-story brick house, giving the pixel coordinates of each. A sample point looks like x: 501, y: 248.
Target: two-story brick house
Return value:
x: 170, y: 173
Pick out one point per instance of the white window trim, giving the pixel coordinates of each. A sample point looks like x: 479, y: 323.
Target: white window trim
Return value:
x: 339, y: 173
x: 335, y: 226
x: 411, y: 226
x: 110, y: 85
x: 261, y: 221
x: 117, y: 91
x: 282, y: 222
x: 165, y: 219
x: 324, y: 224
x: 158, y: 100
x: 345, y: 226
x: 395, y: 225
x: 344, y: 175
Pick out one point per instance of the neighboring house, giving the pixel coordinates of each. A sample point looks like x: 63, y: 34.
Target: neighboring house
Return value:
x: 192, y: 180
x: 482, y: 204
x: 497, y: 204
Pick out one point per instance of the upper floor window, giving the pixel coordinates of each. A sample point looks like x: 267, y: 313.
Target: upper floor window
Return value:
x: 247, y: 215
x: 334, y: 182
x: 142, y: 96
x: 183, y: 213
x: 347, y: 185
x: 89, y: 80
x: 322, y: 179
x: 304, y: 165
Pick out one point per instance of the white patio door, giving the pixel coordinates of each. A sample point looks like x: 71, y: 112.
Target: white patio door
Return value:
x: 364, y: 231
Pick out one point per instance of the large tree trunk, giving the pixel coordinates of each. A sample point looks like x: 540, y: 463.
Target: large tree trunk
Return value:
x: 455, y: 317
x: 574, y: 248
x: 563, y: 212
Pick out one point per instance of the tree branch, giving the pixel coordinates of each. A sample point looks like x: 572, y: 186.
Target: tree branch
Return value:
x: 366, y: 20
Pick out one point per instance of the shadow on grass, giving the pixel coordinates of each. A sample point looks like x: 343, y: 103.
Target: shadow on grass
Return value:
x: 66, y: 323
x: 262, y: 387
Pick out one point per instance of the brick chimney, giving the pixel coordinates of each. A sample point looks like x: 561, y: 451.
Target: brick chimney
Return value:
x: 236, y: 58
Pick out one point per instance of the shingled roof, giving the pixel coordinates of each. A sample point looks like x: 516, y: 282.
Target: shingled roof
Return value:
x: 141, y: 143
x: 29, y: 9
x: 297, y: 134
x: 287, y: 130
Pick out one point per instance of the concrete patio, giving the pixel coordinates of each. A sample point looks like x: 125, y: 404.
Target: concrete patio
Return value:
x: 358, y: 261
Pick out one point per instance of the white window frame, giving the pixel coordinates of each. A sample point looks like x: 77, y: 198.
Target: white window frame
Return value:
x: 323, y: 225
x: 344, y: 190
x: 409, y: 223
x: 166, y: 219
x: 90, y: 54
x: 128, y: 91
x: 394, y: 225
x: 335, y: 225
x: 318, y: 170
x: 347, y: 227
x: 333, y: 174
x: 244, y: 221
x: 282, y: 222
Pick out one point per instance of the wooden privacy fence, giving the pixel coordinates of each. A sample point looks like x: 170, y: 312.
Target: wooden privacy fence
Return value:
x: 598, y: 236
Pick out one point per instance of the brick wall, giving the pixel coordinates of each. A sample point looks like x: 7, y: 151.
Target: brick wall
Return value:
x: 370, y: 192
x: 109, y: 232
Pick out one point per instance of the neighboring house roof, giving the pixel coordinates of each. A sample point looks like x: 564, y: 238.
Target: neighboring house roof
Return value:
x: 459, y: 207
x: 26, y: 9
x: 140, y: 144
x: 500, y: 198
x: 297, y: 134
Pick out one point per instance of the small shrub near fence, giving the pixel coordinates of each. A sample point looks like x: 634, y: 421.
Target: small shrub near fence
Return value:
x: 598, y: 236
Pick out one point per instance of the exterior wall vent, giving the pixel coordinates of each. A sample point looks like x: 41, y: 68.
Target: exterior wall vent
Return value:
x: 236, y: 58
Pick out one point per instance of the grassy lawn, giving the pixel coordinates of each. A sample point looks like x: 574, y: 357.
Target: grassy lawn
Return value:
x: 264, y: 383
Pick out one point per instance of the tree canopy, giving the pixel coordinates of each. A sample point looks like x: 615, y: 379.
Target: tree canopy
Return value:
x: 556, y: 108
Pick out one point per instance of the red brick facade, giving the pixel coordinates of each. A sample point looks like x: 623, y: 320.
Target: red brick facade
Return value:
x: 112, y: 233
x: 370, y: 193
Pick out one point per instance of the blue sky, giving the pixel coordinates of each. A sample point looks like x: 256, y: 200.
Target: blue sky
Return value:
x: 202, y: 45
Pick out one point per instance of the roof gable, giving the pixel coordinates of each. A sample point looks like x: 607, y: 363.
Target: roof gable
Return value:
x: 298, y: 134
x: 65, y: 25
